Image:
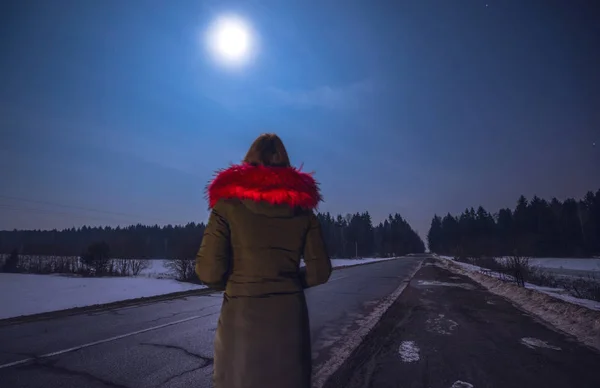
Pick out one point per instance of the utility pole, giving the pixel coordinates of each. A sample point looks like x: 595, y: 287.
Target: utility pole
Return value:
x: 356, y: 249
x: 580, y: 216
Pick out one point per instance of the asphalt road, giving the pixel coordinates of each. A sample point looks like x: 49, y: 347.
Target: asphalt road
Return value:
x: 169, y: 343
x: 445, y: 331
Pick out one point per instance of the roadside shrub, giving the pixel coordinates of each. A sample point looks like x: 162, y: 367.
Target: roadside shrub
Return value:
x: 127, y: 267
x: 480, y: 261
x: 582, y: 287
x: 182, y: 269
x: 94, y: 263
x: 136, y: 266
x: 545, y: 279
x: 518, y: 267
x: 585, y: 288
x: 514, y: 268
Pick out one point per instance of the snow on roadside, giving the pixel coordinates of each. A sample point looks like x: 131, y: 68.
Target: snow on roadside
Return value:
x: 158, y: 270
x: 553, y: 292
x: 25, y: 294
x: 591, y: 265
x: 581, y: 322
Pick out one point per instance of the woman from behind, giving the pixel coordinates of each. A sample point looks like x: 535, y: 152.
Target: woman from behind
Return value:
x: 261, y: 224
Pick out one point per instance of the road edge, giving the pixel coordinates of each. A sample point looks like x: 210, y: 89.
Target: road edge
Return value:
x: 353, y: 341
x: 576, y: 321
x: 102, y: 306
x: 127, y: 302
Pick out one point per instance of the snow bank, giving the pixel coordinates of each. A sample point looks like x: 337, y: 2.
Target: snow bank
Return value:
x: 569, y: 316
x: 25, y: 294
x: 558, y: 293
x: 338, y: 263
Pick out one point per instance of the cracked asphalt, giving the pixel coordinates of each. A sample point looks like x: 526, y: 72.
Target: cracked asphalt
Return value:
x: 446, y: 331
x: 169, y: 343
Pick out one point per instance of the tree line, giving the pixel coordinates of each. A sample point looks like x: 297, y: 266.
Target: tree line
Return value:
x: 355, y: 236
x: 535, y: 228
x: 351, y: 236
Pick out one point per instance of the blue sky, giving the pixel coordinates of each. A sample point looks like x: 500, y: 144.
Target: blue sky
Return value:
x: 416, y: 107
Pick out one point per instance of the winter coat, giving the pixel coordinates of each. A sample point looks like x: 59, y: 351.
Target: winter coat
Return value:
x: 262, y: 223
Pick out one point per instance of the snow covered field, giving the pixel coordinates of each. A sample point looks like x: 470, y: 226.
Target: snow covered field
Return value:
x: 25, y: 294
x: 592, y: 265
x: 569, y: 267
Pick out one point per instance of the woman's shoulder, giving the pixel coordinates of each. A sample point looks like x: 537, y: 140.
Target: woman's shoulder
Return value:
x: 226, y: 205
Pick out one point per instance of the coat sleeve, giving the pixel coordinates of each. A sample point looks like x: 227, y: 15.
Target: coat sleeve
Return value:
x: 316, y: 259
x: 214, y: 256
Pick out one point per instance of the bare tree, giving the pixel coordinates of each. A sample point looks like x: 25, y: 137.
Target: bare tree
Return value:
x: 138, y: 265
x: 182, y: 269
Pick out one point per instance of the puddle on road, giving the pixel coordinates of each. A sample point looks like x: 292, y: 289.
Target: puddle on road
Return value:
x: 461, y: 384
x: 533, y: 343
x: 409, y: 351
x: 440, y: 325
x: 466, y: 286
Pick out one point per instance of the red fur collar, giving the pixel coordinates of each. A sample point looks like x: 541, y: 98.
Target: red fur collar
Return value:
x: 276, y: 185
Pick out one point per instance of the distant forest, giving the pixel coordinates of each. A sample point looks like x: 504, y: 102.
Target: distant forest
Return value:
x: 351, y: 236
x: 535, y: 228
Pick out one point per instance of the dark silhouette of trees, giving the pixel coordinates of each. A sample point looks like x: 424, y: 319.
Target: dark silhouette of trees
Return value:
x: 11, y: 264
x: 97, y: 258
x: 355, y: 236
x: 351, y: 236
x: 535, y: 227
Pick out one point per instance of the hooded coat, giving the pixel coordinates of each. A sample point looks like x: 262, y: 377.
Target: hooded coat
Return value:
x: 261, y: 224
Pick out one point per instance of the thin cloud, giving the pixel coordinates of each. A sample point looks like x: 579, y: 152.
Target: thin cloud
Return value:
x: 328, y: 97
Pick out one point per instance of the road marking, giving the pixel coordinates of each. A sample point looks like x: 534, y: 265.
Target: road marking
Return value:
x: 118, y: 337
x: 333, y: 280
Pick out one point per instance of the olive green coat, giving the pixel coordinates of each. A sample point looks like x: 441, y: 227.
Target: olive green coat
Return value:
x: 252, y: 250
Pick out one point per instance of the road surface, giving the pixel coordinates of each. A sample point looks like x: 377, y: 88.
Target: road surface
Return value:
x: 169, y: 343
x: 445, y: 331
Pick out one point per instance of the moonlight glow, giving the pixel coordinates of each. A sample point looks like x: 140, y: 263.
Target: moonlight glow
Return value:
x: 230, y: 41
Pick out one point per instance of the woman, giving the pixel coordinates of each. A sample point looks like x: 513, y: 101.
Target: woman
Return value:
x: 261, y: 224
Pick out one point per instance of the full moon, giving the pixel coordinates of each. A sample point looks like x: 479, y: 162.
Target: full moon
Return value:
x: 230, y: 40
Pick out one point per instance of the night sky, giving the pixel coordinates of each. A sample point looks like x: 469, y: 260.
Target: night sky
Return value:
x: 111, y: 112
